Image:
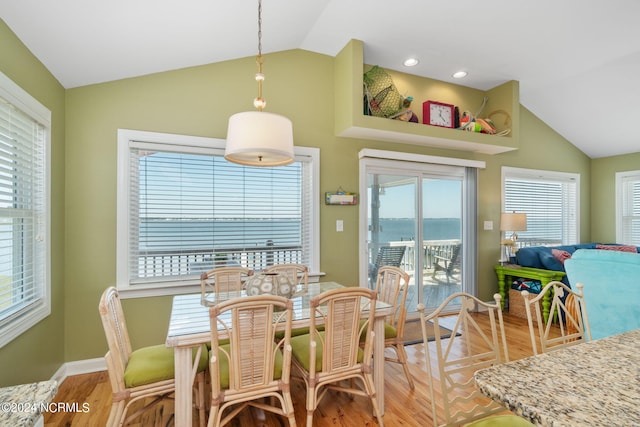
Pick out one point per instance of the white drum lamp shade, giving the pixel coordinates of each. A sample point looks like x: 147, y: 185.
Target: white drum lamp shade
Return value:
x: 258, y: 138
x: 513, y: 221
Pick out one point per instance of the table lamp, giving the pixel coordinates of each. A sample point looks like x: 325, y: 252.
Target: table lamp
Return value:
x: 511, y: 222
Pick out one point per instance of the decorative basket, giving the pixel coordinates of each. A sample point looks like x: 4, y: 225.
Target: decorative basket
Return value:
x: 516, y: 305
x: 382, y: 97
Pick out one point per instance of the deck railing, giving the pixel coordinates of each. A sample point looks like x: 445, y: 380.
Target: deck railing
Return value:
x: 196, y: 261
x: 534, y: 241
x: 430, y: 250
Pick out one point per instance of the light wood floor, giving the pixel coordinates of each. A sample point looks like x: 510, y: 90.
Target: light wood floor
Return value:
x: 403, y: 406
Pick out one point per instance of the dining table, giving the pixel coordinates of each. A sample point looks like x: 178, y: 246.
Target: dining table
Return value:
x: 594, y: 383
x: 189, y: 327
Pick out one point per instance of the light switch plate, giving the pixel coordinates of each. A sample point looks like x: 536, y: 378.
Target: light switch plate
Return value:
x: 339, y: 225
x: 488, y: 225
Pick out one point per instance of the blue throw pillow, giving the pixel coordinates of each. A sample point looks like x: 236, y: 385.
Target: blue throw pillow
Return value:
x: 549, y: 262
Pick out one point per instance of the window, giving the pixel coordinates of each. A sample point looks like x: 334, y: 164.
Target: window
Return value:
x: 550, y: 200
x: 24, y: 211
x: 628, y: 207
x: 183, y: 209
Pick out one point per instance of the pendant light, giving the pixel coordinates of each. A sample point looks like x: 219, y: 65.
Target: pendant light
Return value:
x: 256, y: 138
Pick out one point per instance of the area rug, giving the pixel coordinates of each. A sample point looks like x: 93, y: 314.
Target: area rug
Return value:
x: 413, y: 332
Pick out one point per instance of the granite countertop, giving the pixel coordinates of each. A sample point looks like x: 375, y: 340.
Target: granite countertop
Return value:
x: 21, y: 405
x: 590, y: 384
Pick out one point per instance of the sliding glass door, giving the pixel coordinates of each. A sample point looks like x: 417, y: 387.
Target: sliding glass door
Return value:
x: 441, y: 273
x: 414, y: 217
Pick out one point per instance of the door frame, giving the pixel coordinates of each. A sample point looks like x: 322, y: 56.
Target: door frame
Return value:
x: 393, y: 163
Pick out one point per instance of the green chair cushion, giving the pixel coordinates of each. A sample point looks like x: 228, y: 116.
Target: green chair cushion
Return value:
x: 301, y: 350
x: 155, y: 363
x: 223, y: 365
x: 501, y: 421
x: 390, y: 331
x: 297, y: 331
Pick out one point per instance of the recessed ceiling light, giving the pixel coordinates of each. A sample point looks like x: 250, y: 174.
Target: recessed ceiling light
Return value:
x: 459, y: 74
x: 411, y: 62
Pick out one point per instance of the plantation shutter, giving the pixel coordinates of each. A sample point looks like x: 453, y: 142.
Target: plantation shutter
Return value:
x: 22, y: 213
x: 550, y: 202
x: 191, y: 210
x: 628, y: 216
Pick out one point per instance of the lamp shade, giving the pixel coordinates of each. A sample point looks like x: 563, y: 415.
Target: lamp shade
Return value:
x: 257, y: 138
x: 513, y: 221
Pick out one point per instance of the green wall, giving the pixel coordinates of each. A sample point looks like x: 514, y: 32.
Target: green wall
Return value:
x: 603, y: 202
x: 39, y: 352
x: 198, y: 101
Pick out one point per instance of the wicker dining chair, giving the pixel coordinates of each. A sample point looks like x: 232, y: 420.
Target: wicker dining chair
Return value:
x: 469, y: 348
x: 147, y: 372
x: 392, y: 286
x: 325, y: 358
x: 251, y: 364
x: 220, y: 280
x: 567, y: 323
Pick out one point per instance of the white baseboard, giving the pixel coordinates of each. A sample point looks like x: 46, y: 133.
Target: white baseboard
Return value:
x: 79, y: 367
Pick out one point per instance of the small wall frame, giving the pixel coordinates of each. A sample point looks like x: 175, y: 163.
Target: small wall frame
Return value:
x: 340, y: 198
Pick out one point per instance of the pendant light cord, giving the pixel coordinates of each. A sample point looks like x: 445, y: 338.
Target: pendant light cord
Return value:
x: 259, y: 102
x: 259, y: 27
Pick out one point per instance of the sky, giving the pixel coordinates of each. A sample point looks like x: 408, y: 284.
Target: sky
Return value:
x: 441, y: 199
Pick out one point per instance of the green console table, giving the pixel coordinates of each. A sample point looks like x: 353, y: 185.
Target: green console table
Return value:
x: 506, y: 274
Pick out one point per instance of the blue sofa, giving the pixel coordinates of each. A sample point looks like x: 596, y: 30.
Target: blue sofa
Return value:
x: 611, y: 282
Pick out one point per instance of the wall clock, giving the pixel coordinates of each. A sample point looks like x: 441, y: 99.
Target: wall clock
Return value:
x: 438, y: 114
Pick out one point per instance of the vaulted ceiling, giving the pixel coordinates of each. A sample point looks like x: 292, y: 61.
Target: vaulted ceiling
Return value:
x: 577, y: 61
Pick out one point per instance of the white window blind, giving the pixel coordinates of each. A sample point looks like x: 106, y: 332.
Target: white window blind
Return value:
x: 550, y: 200
x: 24, y: 286
x: 190, y: 210
x: 628, y: 207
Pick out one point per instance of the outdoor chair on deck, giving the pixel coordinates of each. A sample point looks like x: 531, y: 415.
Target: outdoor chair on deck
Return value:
x: 387, y: 255
x: 447, y: 264
x: 567, y: 323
